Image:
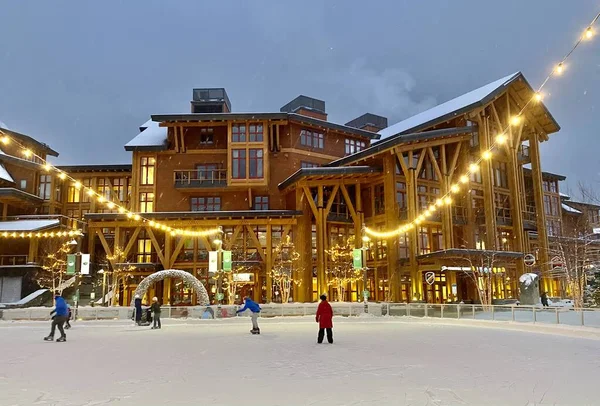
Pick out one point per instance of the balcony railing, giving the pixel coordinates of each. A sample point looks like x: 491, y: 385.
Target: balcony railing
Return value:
x: 13, y: 260
x: 523, y: 153
x: 199, y: 178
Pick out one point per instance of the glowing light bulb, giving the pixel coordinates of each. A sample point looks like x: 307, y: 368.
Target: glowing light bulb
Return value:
x: 448, y: 200
x: 464, y: 179
x: 129, y: 215
x: 47, y: 167
x: 501, y: 139
x: 27, y: 153
x: 101, y: 199
x: 151, y: 223
x: 439, y: 202
x: 559, y: 68
x: 473, y: 168
x: 589, y: 33
x: 121, y: 210
x: 110, y: 205
x: 5, y: 140
x: 63, y: 176
x: 486, y: 155
x: 432, y: 208
x: 455, y: 188
x: 77, y: 185
x: 538, y: 97
x: 137, y: 217
x: 515, y: 120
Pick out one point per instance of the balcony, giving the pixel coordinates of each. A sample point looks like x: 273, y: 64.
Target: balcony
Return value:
x: 523, y: 154
x: 529, y: 218
x: 15, y: 260
x: 199, y: 178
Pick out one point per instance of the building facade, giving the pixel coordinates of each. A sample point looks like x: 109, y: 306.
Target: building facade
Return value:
x: 264, y: 177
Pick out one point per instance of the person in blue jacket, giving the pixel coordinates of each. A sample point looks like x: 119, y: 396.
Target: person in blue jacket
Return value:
x: 255, y: 309
x: 61, y: 313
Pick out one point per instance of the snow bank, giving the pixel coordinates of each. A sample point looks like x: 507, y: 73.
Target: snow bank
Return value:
x: 528, y: 278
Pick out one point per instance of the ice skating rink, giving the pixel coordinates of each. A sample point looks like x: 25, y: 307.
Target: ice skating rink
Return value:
x: 372, y: 362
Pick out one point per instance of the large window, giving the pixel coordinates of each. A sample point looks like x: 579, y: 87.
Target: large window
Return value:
x: 401, y: 196
x: 594, y: 216
x: 147, y: 166
x: 146, y: 202
x: 87, y: 183
x: 403, y: 246
x: 261, y: 202
x: 104, y: 188
x: 238, y: 164
x: 120, y: 188
x: 256, y: 163
x: 500, y: 175
x: 379, y: 199
x: 427, y: 195
x: 73, y: 194
x: 553, y: 227
x: 550, y: 186
x: 255, y: 132
x: 353, y: 146
x: 238, y: 133
x: 144, y: 251
x: 212, y: 203
x: 45, y: 185
x: 430, y: 239
x: 311, y: 139
x: 552, y: 205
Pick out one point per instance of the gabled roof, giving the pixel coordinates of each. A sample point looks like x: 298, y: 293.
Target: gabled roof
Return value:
x: 398, y: 139
x: 348, y: 171
x: 458, y: 106
x: 28, y: 140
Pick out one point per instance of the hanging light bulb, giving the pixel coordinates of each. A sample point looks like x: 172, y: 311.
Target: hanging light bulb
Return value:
x: 589, y: 33
x: 486, y: 154
x: 448, y: 200
x: 62, y: 176
x: 77, y: 185
x: 455, y: 188
x: 538, y: 97
x: 27, y: 153
x: 5, y: 140
x: 501, y: 139
x: 559, y: 68
x: 47, y: 167
x: 515, y: 120
x: 464, y: 179
x: 473, y: 167
x: 110, y: 205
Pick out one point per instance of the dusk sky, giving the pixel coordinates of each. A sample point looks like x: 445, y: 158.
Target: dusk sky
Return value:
x: 82, y: 76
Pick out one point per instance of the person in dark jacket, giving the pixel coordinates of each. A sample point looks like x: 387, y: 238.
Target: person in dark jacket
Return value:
x: 325, y: 319
x: 61, y: 312
x: 255, y: 309
x: 155, y: 312
x: 544, y: 298
x: 69, y: 316
x: 138, y: 309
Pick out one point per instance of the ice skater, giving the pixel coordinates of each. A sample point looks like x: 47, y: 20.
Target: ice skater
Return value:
x: 255, y: 309
x: 69, y: 316
x: 325, y: 319
x: 155, y: 313
x: 138, y: 310
x: 544, y: 298
x: 61, y: 312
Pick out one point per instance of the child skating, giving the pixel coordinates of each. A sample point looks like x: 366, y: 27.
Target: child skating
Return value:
x: 255, y: 309
x: 61, y: 313
x: 325, y: 319
x: 155, y: 313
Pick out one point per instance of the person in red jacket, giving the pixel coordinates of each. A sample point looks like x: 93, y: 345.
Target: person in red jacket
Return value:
x: 325, y: 320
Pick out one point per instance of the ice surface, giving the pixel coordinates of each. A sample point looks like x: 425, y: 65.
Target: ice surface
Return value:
x: 445, y: 108
x: 528, y: 278
x: 372, y: 362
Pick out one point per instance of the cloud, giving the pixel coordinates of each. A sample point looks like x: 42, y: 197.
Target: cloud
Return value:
x: 390, y: 92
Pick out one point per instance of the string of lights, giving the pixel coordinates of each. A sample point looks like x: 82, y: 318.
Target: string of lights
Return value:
x: 500, y: 139
x: 51, y: 234
x: 100, y: 198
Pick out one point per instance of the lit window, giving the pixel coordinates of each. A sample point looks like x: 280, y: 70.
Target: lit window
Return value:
x: 146, y: 202
x: 147, y: 167
x: 73, y: 194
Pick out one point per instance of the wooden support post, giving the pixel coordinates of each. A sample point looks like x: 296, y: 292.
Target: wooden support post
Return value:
x: 321, y: 245
x: 391, y: 222
x: 488, y: 186
x: 303, y: 242
x: 538, y: 194
x: 33, y: 249
x: 269, y: 265
x: 168, y: 250
x: 5, y: 209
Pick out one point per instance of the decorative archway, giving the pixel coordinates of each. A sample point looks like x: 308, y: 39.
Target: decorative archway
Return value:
x: 199, y: 288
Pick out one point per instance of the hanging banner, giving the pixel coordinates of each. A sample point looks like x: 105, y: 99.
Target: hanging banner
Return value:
x: 227, y: 261
x: 357, y: 258
x: 71, y: 264
x: 213, y: 261
x: 85, y: 264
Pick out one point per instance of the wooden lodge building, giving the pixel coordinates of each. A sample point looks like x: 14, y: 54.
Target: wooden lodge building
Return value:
x: 265, y: 176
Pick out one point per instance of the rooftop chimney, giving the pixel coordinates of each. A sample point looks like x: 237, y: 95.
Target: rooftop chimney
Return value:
x: 369, y: 122
x: 210, y: 100
x: 306, y: 106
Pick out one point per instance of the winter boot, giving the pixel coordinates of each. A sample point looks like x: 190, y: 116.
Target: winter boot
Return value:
x: 49, y: 338
x: 257, y: 331
x: 61, y: 339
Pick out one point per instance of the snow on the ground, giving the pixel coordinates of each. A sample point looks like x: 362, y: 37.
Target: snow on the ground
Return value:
x: 373, y: 361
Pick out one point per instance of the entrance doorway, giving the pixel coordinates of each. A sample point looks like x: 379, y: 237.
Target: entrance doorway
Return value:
x: 437, y: 292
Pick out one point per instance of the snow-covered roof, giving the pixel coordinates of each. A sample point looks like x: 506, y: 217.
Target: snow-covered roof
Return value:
x: 3, y: 125
x: 151, y: 136
x: 564, y: 196
x: 429, y: 117
x: 570, y: 209
x: 4, y: 175
x: 28, y: 225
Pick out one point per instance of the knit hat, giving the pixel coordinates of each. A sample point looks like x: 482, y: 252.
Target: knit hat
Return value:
x: 323, y: 296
